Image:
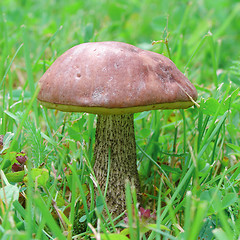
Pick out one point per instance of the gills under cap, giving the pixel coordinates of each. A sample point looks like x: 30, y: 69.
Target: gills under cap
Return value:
x: 114, y: 78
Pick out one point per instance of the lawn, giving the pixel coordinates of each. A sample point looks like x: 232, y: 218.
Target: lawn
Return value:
x: 188, y: 160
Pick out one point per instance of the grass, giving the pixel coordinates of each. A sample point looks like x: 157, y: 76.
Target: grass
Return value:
x: 188, y: 160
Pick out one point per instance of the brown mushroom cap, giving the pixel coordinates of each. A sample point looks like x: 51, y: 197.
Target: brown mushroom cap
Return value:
x: 114, y: 78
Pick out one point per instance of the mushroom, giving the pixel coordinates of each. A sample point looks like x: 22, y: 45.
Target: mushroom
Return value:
x: 114, y: 80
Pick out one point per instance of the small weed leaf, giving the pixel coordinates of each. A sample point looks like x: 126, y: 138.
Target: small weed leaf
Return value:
x: 229, y: 200
x: 40, y: 176
x: 75, y: 129
x: 206, y: 230
x: 225, y: 201
x: 210, y: 106
x: 5, y: 141
x: 15, y: 177
x: 10, y: 159
x: 10, y: 192
x: 145, y: 132
x: 99, y: 204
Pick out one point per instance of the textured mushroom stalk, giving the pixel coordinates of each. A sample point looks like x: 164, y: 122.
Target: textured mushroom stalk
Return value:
x: 115, y: 134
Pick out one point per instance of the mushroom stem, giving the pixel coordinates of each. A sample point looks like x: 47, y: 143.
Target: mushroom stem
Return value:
x: 115, y: 134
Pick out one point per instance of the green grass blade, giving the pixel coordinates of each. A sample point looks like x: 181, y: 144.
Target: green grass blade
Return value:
x: 37, y: 200
x: 130, y: 211
x: 83, y: 197
x: 20, y: 125
x: 214, y: 60
x: 45, y: 46
x: 9, y: 65
x: 29, y: 71
x: 185, y: 179
x: 197, y: 223
x: 210, y: 137
x: 202, y: 41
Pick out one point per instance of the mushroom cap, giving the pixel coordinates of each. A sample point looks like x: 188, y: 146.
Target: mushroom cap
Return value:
x: 114, y: 78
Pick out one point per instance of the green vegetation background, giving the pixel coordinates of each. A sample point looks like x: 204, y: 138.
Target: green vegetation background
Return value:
x: 188, y: 160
